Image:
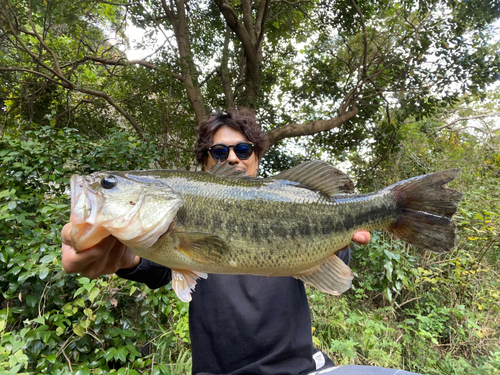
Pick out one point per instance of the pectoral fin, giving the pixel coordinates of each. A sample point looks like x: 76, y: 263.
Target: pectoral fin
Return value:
x: 333, y: 277
x: 202, y: 247
x: 184, y: 281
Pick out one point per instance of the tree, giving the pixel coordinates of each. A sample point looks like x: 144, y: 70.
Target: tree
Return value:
x: 329, y: 69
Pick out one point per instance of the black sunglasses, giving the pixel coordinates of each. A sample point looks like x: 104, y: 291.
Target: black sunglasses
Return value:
x: 243, y: 151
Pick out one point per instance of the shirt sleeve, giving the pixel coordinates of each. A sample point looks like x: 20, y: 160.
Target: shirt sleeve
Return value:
x: 345, y: 255
x: 150, y: 273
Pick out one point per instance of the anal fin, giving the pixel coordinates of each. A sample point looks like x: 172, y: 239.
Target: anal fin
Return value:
x: 332, y: 277
x: 184, y: 281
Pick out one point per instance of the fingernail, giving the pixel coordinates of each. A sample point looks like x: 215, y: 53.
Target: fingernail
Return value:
x: 361, y: 238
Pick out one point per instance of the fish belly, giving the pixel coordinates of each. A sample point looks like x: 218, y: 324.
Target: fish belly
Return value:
x: 273, y: 238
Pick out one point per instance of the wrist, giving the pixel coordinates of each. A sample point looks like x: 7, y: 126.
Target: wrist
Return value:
x: 135, y: 262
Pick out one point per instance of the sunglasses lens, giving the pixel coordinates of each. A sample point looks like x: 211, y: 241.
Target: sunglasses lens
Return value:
x: 219, y: 152
x: 243, y: 150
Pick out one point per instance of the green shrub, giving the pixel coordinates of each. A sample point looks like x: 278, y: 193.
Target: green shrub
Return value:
x: 424, y: 312
x: 52, y: 322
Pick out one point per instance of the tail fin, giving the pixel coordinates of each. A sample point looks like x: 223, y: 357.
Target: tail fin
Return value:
x: 426, y: 211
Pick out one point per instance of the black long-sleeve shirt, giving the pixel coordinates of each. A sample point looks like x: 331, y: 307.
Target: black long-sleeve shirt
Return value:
x: 244, y: 324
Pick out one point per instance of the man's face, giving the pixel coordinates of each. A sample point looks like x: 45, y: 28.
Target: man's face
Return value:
x: 229, y: 137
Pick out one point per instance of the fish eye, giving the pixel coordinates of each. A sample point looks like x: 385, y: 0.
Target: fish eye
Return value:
x: 108, y: 182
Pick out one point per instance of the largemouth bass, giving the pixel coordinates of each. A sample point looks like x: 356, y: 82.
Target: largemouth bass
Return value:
x: 224, y: 222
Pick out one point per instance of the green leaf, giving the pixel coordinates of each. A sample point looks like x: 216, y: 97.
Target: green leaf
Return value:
x: 93, y: 294
x: 132, y: 290
x: 24, y: 276
x: 110, y: 354
x: 389, y: 268
x: 121, y: 354
x: 78, y: 330
x: 316, y: 342
x: 40, y: 319
x: 15, y: 369
x: 4, y: 193
x: 46, y: 209
x: 44, y: 271
x: 79, y: 291
x: 79, y: 302
x: 49, y: 258
x: 83, y: 372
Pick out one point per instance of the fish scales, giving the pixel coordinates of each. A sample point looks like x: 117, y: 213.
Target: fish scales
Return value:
x: 291, y: 225
x: 300, y: 226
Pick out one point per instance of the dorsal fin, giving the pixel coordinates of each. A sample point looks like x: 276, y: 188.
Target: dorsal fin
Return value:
x: 320, y: 176
x: 226, y: 170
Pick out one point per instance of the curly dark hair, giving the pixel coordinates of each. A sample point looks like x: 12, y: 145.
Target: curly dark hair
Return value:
x: 241, y: 120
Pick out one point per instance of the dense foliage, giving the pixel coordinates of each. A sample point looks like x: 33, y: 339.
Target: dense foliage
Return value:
x: 433, y: 314
x: 52, y: 322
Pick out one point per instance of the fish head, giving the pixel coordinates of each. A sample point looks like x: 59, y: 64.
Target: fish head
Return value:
x: 137, y: 213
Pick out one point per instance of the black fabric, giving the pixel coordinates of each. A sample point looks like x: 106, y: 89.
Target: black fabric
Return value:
x: 244, y: 324
x: 362, y: 370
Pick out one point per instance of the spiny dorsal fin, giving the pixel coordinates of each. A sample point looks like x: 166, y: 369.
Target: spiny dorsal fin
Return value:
x: 202, y: 247
x: 332, y: 277
x: 226, y: 170
x: 320, y: 176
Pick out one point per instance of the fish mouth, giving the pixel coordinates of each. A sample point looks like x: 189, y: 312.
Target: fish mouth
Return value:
x: 77, y: 186
x: 137, y: 222
x: 84, y: 207
x: 83, y: 199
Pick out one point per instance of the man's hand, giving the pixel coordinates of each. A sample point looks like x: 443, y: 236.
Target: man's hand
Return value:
x: 107, y: 257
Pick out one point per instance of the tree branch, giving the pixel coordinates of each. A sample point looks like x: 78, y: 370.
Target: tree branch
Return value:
x: 44, y: 45
x: 290, y: 3
x: 224, y: 73
x: 467, y: 119
x: 32, y: 72
x: 29, y: 52
x: 179, y: 23
x: 241, y: 32
x: 365, y: 42
x: 100, y: 94
x: 125, y: 62
x: 261, y: 20
x: 124, y: 113
x: 297, y: 130
x: 58, y: 76
x: 246, y: 6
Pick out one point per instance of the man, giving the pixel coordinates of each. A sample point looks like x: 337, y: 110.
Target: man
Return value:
x: 238, y: 324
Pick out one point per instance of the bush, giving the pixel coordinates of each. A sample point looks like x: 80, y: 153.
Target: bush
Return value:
x: 424, y: 312
x: 52, y: 322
